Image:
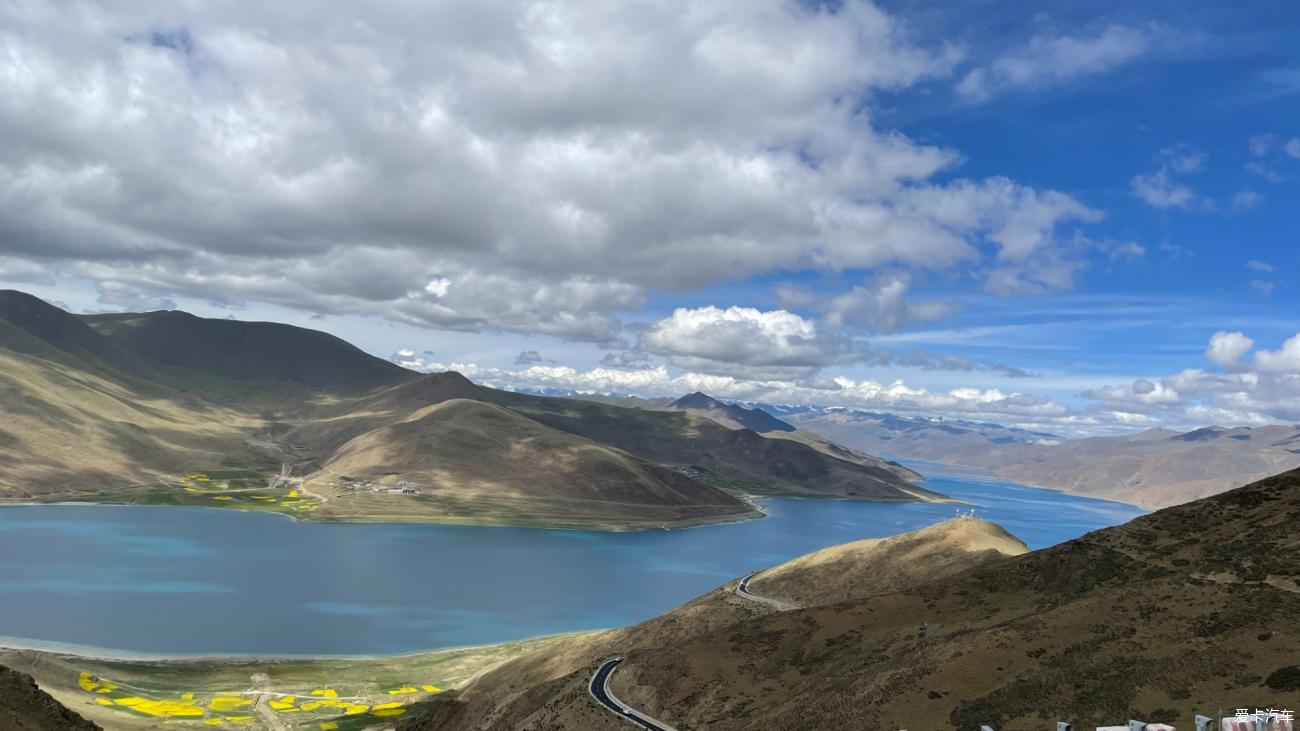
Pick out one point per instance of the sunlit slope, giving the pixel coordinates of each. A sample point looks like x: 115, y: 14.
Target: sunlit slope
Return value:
x: 487, y: 455
x: 1192, y: 607
x: 884, y: 565
x: 81, y: 414
x: 546, y: 689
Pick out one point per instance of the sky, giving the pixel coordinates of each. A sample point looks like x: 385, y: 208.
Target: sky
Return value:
x: 1081, y: 220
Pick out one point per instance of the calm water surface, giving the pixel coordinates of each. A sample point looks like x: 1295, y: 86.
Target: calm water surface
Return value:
x: 167, y: 580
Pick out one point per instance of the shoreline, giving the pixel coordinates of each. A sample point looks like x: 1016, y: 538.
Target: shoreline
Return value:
x: 9, y: 644
x: 758, y: 514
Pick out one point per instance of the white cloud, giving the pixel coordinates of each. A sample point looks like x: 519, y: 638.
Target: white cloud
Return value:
x: 1263, y: 286
x: 1227, y: 348
x: 882, y: 306
x: 1050, y: 60
x: 1265, y: 389
x: 1140, y: 392
x: 774, y: 343
x: 659, y: 381
x: 1286, y: 360
x: 1261, y: 145
x: 24, y: 271
x: 1293, y: 147
x: 527, y: 167
x: 1245, y: 200
x: 1259, y: 266
x: 1161, y: 190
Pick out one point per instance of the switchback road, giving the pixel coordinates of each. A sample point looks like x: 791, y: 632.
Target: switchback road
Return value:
x: 599, y: 689
x: 742, y: 590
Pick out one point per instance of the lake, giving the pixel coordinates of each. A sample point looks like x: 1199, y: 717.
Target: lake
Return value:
x: 181, y: 581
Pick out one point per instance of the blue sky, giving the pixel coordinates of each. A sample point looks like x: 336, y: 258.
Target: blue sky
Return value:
x: 955, y: 209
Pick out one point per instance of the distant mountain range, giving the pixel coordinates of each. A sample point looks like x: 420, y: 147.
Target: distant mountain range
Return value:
x: 1190, y: 608
x: 1153, y: 468
x: 165, y: 407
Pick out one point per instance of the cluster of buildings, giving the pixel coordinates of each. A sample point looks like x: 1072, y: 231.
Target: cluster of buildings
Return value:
x: 1271, y: 719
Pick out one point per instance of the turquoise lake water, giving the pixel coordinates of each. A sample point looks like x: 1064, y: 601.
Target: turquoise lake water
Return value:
x: 172, y: 581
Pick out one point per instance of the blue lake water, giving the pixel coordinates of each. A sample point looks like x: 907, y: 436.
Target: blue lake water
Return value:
x: 171, y: 581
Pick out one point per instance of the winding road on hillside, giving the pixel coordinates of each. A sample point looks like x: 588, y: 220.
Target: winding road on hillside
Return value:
x: 599, y: 689
x: 742, y: 590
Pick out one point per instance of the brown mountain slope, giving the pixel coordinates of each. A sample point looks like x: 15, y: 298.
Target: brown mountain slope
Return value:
x: 490, y: 456
x: 883, y: 565
x: 741, y: 457
x: 723, y: 457
x: 545, y: 690
x: 25, y: 707
x: 119, y: 409
x: 247, y: 351
x: 1153, y: 468
x: 1189, y: 608
x: 734, y: 416
x: 81, y: 413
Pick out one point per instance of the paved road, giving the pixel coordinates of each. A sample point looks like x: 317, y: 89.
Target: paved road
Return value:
x: 742, y: 590
x: 599, y: 689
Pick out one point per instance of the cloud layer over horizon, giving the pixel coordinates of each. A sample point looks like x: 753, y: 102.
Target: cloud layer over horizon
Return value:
x: 694, y: 188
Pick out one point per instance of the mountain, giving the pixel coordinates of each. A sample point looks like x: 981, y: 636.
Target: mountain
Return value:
x: 1153, y: 468
x: 1190, y: 608
x: 118, y: 408
x: 247, y: 351
x: 735, y: 416
x: 731, y: 416
x: 554, y: 457
x: 82, y: 413
x: 25, y: 707
x: 932, y: 439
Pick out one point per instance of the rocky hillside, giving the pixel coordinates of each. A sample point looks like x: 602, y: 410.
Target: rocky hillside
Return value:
x: 25, y: 707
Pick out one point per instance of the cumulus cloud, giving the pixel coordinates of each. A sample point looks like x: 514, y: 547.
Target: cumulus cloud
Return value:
x: 773, y: 343
x: 1140, y: 392
x: 526, y: 167
x: 1050, y: 60
x: 878, y: 306
x: 660, y: 381
x: 1161, y: 190
x: 626, y: 359
x: 1226, y: 348
x: 1286, y: 360
x: 528, y: 357
x: 1264, y: 389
